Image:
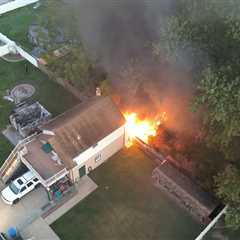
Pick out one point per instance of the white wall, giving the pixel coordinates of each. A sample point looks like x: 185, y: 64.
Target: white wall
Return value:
x: 106, y: 147
x: 12, y: 5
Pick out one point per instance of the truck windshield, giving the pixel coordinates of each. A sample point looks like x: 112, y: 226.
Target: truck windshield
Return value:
x: 14, y: 188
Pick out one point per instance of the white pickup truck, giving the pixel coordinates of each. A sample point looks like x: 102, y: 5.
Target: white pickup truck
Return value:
x: 19, y: 188
x: 2, y: 236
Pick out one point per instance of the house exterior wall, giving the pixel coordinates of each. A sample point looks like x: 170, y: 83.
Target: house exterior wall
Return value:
x: 96, y: 155
x: 74, y: 174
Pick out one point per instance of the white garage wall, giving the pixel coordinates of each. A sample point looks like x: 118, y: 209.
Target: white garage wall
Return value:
x: 106, y: 147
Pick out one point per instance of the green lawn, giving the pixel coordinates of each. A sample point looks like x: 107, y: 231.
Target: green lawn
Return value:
x: 51, y: 95
x: 54, y: 97
x: 126, y: 206
x: 15, y: 24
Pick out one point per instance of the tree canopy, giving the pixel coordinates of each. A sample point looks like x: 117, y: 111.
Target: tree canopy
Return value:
x: 204, y: 37
x: 228, y: 190
x: 54, y: 17
x: 76, y: 67
x: 207, y: 34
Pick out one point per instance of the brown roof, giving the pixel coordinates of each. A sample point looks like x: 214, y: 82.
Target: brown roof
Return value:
x: 41, y: 161
x: 81, y: 127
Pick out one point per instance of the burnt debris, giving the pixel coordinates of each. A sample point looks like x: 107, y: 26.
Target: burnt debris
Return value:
x: 28, y: 117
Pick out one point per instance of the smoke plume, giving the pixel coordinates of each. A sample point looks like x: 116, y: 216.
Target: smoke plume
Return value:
x: 120, y: 34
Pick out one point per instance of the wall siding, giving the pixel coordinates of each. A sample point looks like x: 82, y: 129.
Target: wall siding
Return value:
x: 106, y: 147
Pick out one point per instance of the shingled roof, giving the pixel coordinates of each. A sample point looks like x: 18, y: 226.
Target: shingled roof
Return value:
x: 83, y: 126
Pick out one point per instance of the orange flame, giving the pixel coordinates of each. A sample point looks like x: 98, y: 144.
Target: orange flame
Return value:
x: 142, y: 129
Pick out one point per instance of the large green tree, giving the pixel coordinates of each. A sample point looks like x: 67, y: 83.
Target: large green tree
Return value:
x: 54, y: 15
x: 205, y: 35
x: 76, y: 66
x: 228, y: 190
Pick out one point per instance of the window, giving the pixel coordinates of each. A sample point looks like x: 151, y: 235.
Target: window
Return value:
x: 14, y: 188
x: 29, y: 184
x: 35, y: 180
x: 2, y: 236
x: 98, y: 157
x: 23, y: 189
x: 20, y: 182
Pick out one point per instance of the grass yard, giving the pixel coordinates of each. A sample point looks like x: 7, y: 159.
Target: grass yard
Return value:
x: 15, y: 24
x: 54, y: 97
x: 126, y: 206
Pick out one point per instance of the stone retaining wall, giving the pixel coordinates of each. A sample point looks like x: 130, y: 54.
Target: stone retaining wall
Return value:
x: 195, y: 208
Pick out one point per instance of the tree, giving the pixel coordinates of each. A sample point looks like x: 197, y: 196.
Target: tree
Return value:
x: 76, y: 67
x: 207, y: 34
x: 227, y: 188
x: 55, y: 17
x: 219, y: 93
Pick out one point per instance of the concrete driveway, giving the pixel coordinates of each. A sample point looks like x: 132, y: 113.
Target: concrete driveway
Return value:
x: 25, y: 211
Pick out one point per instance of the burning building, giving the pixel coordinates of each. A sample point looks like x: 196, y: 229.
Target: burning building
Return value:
x: 27, y: 117
x: 154, y: 139
x: 142, y: 128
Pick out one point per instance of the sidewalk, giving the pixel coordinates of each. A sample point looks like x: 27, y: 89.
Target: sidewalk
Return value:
x: 40, y: 229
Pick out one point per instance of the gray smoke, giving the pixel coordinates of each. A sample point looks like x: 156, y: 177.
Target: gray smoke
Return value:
x: 117, y: 30
x: 120, y: 34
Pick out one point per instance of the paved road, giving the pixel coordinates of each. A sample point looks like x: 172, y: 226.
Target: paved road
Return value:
x: 24, y: 212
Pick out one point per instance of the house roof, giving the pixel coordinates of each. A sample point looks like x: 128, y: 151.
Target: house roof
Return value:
x: 41, y: 161
x: 75, y: 131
